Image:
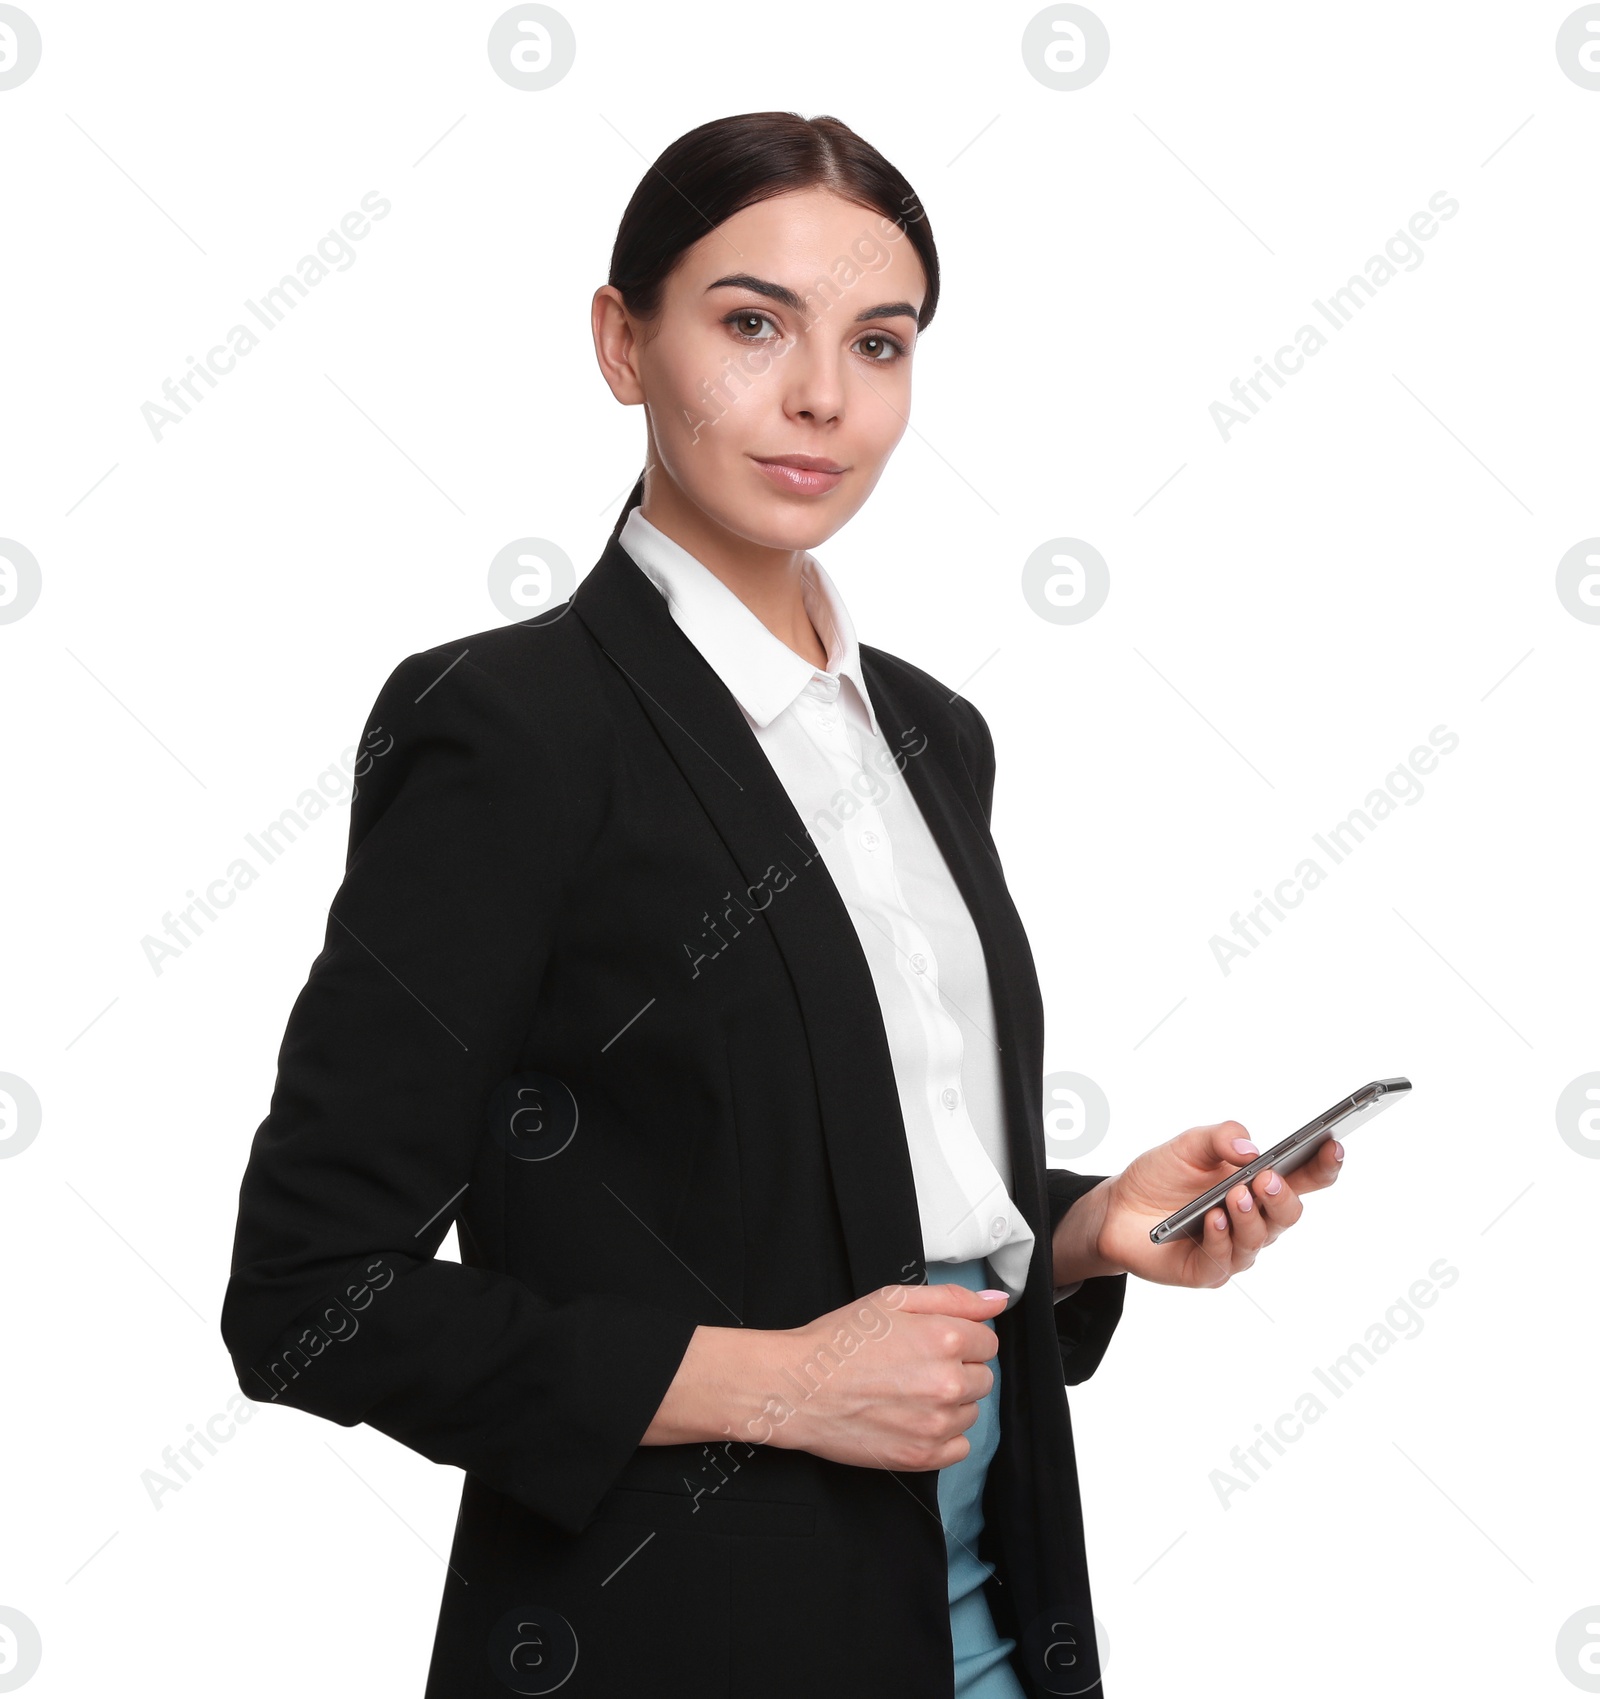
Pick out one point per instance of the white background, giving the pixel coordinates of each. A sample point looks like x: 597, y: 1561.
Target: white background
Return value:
x: 1374, y: 555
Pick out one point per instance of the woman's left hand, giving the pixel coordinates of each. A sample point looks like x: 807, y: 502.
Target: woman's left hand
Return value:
x: 1114, y: 1228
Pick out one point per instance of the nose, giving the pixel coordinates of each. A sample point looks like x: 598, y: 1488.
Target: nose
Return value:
x: 813, y: 379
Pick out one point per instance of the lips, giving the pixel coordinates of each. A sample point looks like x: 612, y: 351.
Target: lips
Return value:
x: 806, y: 462
x: 804, y: 474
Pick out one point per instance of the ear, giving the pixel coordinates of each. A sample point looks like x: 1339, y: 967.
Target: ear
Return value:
x: 615, y: 345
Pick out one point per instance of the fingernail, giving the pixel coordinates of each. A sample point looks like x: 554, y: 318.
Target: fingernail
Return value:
x: 1246, y: 1202
x: 989, y: 1292
x: 1338, y: 1151
x: 1274, y: 1186
x: 1246, y: 1147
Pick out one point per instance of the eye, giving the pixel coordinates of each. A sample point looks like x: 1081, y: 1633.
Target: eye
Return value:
x: 886, y: 350
x: 744, y: 318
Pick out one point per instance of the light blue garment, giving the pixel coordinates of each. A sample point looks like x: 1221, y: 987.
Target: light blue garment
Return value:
x: 982, y: 1655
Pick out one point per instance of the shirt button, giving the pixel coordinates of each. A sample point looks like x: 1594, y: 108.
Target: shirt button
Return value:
x: 997, y: 1227
x: 950, y: 1097
x: 870, y: 839
x: 919, y: 963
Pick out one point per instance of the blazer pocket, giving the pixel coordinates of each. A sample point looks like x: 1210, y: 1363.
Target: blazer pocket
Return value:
x: 711, y: 1513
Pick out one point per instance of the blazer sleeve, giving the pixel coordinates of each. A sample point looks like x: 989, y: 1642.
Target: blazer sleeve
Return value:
x: 1086, y: 1313
x: 415, y: 1009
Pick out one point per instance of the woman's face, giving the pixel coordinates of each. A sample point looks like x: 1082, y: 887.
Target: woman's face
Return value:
x: 784, y: 334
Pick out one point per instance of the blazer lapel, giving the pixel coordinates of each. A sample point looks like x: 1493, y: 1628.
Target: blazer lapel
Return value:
x: 968, y: 851
x: 712, y: 744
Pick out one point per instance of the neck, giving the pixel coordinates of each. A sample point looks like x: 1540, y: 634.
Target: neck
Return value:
x: 766, y: 580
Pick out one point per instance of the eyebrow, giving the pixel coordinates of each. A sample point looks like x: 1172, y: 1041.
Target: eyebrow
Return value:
x: 787, y: 297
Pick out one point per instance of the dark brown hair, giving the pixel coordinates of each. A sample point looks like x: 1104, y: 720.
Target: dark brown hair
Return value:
x: 710, y: 173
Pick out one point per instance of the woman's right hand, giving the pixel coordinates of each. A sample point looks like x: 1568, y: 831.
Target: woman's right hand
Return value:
x: 888, y: 1381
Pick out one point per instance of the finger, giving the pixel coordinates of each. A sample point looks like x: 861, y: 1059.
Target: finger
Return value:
x: 1248, y: 1224
x: 958, y: 1446
x: 961, y: 1417
x: 1213, y: 1256
x: 1205, y: 1147
x: 1231, y: 1143
x: 1278, y: 1202
x: 1322, y: 1170
x: 980, y: 1344
x: 967, y: 1339
x: 1330, y: 1162
x: 944, y: 1298
x: 977, y: 1383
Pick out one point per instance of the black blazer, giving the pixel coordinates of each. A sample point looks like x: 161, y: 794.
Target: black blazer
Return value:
x: 589, y: 992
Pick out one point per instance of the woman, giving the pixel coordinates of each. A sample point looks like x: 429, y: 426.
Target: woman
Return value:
x: 674, y: 964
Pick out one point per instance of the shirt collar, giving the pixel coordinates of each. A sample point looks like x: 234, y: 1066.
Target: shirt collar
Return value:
x: 764, y: 674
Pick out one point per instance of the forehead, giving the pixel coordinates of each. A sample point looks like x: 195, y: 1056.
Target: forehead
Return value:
x: 796, y: 237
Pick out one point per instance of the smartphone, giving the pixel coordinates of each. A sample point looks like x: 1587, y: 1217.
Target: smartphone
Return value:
x: 1286, y: 1156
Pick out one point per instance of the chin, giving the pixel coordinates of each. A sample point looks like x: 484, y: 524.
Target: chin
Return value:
x: 779, y: 524
x: 774, y: 521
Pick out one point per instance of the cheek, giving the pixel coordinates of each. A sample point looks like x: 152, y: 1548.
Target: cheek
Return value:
x: 707, y: 402
x: 891, y: 414
x: 882, y: 412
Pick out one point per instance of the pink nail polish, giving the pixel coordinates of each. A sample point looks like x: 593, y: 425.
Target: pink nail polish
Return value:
x: 989, y: 1292
x: 1338, y: 1151
x: 1246, y: 1147
x: 1274, y: 1186
x: 1246, y: 1202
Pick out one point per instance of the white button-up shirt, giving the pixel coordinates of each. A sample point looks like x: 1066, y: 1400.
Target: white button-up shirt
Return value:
x: 819, y: 731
